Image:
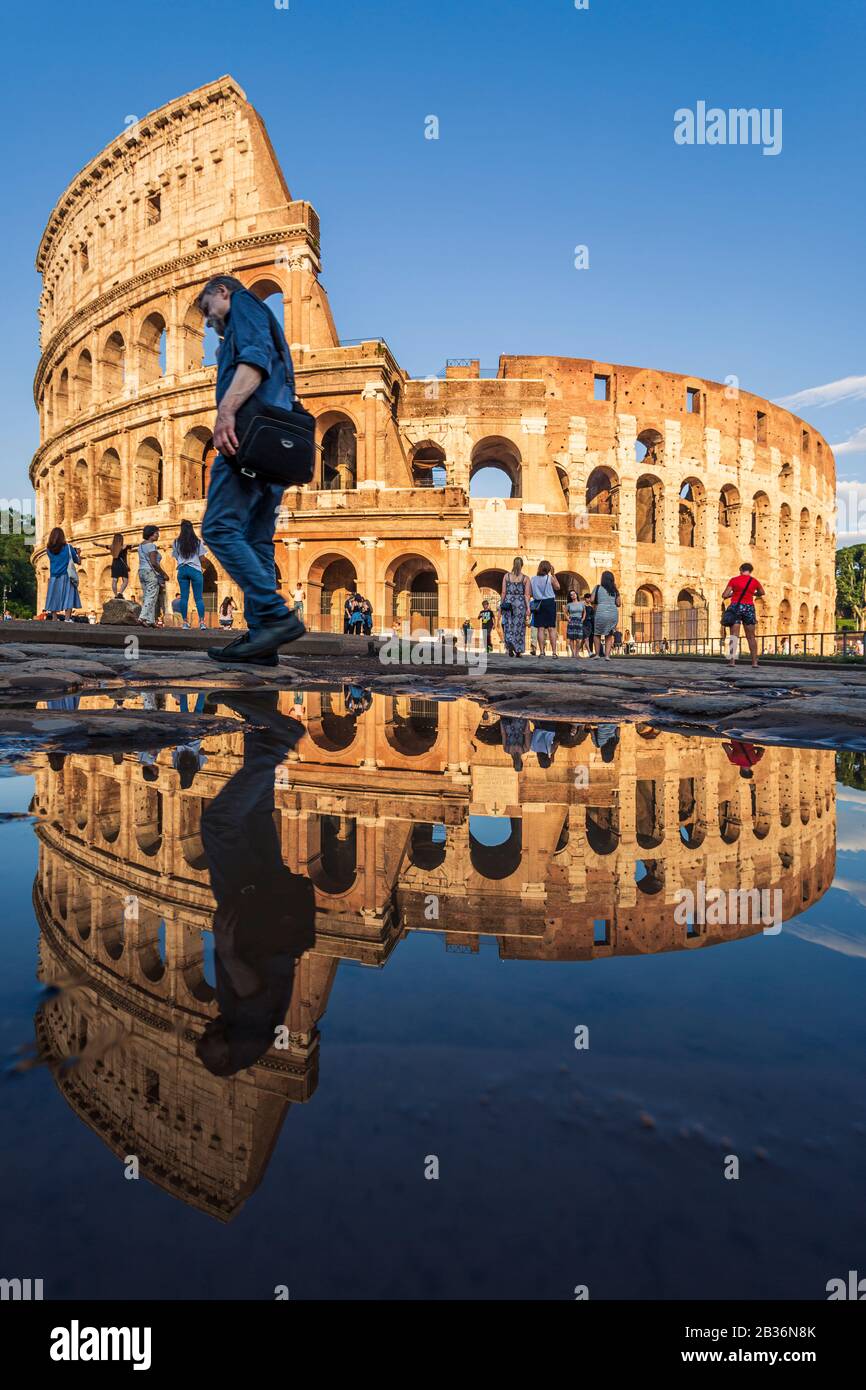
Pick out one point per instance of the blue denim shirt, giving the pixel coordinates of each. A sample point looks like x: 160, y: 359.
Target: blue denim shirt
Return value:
x: 249, y: 337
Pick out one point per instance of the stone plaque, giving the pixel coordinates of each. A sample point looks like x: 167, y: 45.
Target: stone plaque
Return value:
x: 494, y: 789
x: 495, y: 527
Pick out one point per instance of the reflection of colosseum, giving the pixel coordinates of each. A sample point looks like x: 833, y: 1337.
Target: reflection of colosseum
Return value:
x: 381, y: 812
x: 670, y: 480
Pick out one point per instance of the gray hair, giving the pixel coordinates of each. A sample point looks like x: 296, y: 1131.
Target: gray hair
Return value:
x: 216, y: 282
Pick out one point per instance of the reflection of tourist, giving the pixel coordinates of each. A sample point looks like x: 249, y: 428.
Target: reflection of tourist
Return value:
x: 543, y: 742
x: 515, y: 738
x: 606, y: 738
x: 265, y: 914
x: 357, y: 699
x: 514, y: 608
x: 743, y: 755
x: 188, y: 759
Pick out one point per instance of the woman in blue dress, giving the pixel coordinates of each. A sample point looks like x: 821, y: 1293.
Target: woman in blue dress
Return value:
x: 514, y: 608
x: 62, y: 594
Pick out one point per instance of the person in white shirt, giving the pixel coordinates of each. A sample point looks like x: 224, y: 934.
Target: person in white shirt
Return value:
x: 544, y: 586
x: 298, y: 601
x: 188, y: 552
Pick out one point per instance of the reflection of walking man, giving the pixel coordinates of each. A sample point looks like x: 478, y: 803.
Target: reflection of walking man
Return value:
x: 265, y: 914
x: 240, y: 519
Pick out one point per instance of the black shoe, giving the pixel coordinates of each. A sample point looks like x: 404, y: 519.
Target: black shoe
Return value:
x: 263, y: 643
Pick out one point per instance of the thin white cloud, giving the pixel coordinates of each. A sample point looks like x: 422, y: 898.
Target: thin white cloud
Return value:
x: 856, y: 444
x: 849, y: 388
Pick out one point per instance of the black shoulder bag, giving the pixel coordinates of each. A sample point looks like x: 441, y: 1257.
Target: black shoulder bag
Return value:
x: 275, y: 445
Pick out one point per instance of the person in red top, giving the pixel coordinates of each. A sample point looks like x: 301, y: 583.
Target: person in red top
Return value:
x: 742, y: 590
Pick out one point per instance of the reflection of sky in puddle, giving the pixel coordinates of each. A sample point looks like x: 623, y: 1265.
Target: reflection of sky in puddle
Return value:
x: 507, y: 894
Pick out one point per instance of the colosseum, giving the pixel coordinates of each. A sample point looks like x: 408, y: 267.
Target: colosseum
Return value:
x: 385, y: 813
x: 426, y: 488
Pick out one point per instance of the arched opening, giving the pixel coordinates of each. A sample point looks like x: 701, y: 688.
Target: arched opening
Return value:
x: 786, y: 534
x: 691, y: 514
x: 649, y: 509
x: 692, y: 823
x: 648, y: 615
x: 489, y: 586
x: 271, y: 293
x: 196, y: 456
x: 602, y: 492
x: 412, y: 594
x: 729, y: 821
x: 148, y: 473
x: 340, y: 457
x: 690, y: 615
x: 108, y: 808
x: 148, y: 819
x: 729, y: 510
x: 83, y: 381
x: 192, y: 333
x: 649, y: 875
x: 803, y: 620
x: 79, y: 490
x: 495, y: 469
x: 189, y: 831
x: 412, y: 727
x: 113, y: 365
x: 428, y: 845
x: 108, y: 482
x: 331, y: 579
x: 334, y: 862
x: 152, y: 349
x: 495, y: 845
x: 332, y: 729
x: 61, y: 398
x: 565, y: 485
x: 784, y: 616
x: 428, y: 466
x: 649, y: 813
x: 760, y: 525
x: 649, y: 448
x: 602, y: 828
x: 805, y: 544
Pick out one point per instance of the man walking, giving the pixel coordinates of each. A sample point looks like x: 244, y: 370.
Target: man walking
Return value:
x: 241, y: 514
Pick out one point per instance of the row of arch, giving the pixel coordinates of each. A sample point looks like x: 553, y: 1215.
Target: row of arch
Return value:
x: 120, y: 358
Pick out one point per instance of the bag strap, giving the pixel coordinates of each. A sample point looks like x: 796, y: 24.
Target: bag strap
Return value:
x: 751, y: 580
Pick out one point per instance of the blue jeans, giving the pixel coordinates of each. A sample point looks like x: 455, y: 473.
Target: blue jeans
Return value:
x: 238, y: 526
x: 188, y: 575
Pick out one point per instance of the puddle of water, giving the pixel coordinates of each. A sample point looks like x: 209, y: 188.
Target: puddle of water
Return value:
x: 428, y: 1003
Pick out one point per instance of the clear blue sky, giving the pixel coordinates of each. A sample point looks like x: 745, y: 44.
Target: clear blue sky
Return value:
x: 556, y: 129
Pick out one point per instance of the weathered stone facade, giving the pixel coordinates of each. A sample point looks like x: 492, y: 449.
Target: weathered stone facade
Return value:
x: 379, y: 812
x: 671, y: 481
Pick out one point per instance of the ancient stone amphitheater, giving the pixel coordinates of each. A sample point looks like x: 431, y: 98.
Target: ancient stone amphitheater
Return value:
x: 672, y: 481
x: 386, y: 815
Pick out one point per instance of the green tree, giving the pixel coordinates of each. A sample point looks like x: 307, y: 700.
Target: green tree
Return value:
x: 17, y: 574
x: 851, y: 583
